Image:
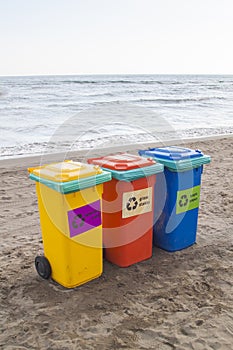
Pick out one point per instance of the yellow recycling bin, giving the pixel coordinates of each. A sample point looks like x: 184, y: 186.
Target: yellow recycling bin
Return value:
x: 69, y: 199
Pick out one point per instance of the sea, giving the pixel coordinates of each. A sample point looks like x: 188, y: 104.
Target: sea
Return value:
x: 50, y: 114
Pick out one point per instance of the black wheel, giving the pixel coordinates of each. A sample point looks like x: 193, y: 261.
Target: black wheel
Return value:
x: 43, y: 267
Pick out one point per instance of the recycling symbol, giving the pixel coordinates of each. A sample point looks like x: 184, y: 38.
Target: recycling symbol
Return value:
x: 183, y: 200
x: 132, y: 203
x: 78, y: 221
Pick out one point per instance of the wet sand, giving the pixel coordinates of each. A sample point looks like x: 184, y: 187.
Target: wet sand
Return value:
x: 181, y: 300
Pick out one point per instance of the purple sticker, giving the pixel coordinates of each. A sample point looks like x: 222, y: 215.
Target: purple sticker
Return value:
x: 84, y: 218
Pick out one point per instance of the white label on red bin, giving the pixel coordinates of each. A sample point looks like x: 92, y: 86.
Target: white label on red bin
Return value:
x: 137, y: 202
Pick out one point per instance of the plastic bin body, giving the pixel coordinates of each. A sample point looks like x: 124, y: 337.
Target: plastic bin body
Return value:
x: 128, y: 207
x: 126, y: 240
x: 177, y: 196
x: 72, y: 246
x: 175, y: 231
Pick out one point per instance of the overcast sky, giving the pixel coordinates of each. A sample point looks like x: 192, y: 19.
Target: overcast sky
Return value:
x: 116, y: 36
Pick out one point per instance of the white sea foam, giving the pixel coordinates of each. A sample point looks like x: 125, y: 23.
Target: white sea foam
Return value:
x: 49, y: 114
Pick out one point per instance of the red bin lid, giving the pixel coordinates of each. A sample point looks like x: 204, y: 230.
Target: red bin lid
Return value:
x: 122, y: 161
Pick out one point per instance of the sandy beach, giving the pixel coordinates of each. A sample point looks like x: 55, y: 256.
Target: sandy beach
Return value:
x: 181, y: 300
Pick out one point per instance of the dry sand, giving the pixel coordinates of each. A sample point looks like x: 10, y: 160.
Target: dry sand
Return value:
x: 181, y: 300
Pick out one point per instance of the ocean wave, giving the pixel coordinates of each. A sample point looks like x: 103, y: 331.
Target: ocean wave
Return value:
x: 107, y: 94
x: 35, y: 107
x: 180, y: 100
x: 43, y: 148
x: 98, y: 82
x: 122, y: 81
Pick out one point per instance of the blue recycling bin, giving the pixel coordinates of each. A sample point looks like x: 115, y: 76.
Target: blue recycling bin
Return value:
x: 177, y: 196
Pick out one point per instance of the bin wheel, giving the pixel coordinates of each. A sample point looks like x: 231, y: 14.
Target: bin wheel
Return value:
x: 43, y: 267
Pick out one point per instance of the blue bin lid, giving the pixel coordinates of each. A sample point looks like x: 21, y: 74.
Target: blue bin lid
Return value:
x: 177, y: 158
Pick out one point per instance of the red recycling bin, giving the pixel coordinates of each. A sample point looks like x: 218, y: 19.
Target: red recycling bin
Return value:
x: 128, y: 205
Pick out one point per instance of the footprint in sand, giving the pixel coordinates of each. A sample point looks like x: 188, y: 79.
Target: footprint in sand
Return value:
x: 6, y: 198
x: 201, y: 287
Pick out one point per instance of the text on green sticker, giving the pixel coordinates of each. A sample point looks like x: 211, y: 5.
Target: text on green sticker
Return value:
x: 187, y: 199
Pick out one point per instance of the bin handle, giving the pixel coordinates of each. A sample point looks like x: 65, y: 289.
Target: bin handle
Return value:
x: 121, y: 166
x: 62, y: 176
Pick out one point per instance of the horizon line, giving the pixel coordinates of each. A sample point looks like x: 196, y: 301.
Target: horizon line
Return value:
x: 116, y: 74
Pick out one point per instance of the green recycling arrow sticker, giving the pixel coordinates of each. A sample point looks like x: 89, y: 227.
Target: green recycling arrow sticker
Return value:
x: 187, y: 199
